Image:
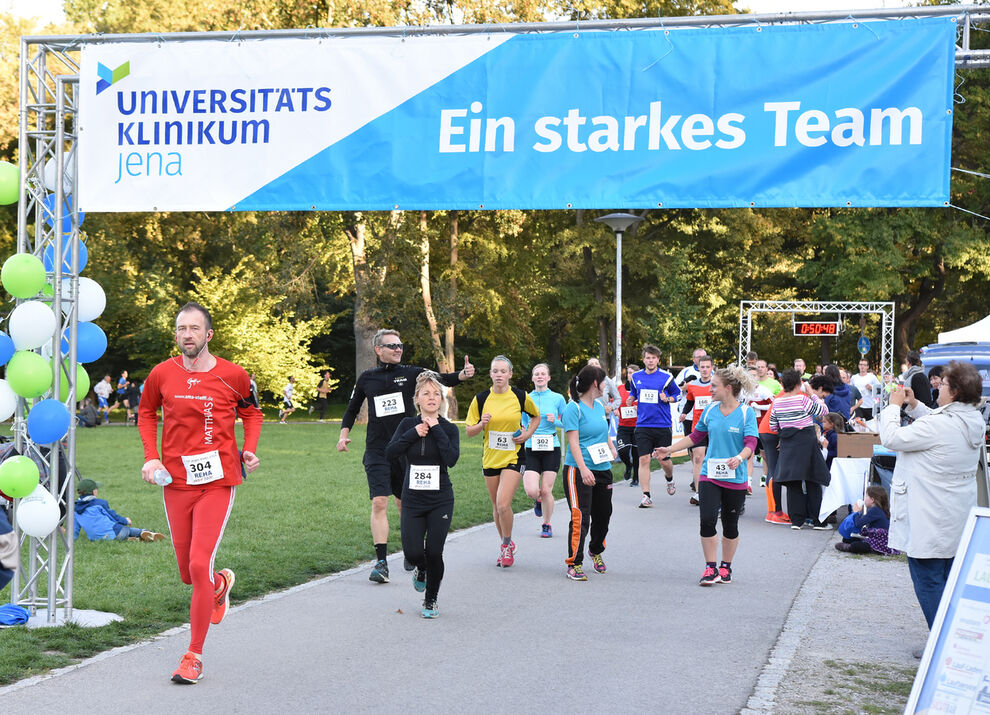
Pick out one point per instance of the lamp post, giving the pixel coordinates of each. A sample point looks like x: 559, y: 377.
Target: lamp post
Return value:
x: 619, y: 223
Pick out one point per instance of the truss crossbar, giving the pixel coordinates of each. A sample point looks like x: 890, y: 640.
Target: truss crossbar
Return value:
x: 885, y: 309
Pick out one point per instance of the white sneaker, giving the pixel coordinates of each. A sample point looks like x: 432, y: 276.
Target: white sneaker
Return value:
x: 646, y: 503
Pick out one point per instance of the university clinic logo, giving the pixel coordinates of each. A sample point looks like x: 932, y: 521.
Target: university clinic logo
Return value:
x: 110, y: 77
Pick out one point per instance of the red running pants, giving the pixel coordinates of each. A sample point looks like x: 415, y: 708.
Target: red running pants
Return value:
x: 196, y: 520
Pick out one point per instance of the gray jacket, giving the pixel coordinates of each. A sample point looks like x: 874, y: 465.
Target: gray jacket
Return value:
x: 935, y: 476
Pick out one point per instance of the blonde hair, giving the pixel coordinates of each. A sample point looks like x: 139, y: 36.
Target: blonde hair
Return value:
x: 427, y: 377
x: 737, y: 378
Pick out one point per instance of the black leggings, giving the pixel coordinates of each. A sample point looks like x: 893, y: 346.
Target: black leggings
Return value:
x: 627, y: 447
x: 321, y: 405
x: 429, y: 523
x: 711, y: 497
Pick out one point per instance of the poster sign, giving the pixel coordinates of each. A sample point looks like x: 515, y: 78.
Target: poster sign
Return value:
x: 839, y: 114
x: 954, y: 675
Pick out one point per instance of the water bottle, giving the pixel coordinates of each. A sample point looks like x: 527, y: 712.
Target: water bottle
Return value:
x: 162, y: 477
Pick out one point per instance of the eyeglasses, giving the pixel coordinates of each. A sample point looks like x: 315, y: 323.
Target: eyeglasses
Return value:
x: 393, y: 346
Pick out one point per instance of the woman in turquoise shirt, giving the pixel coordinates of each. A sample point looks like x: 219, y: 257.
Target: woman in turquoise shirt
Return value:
x: 587, y: 471
x: 543, y: 448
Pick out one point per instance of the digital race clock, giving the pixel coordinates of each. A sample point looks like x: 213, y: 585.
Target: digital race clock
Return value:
x: 816, y: 327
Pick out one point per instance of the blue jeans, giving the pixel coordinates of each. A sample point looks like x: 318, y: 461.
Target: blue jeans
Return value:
x: 929, y: 577
x: 127, y: 532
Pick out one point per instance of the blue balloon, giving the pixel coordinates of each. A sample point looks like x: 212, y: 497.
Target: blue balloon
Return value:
x: 6, y: 348
x: 47, y: 422
x: 49, y: 257
x: 91, y: 342
x: 48, y: 212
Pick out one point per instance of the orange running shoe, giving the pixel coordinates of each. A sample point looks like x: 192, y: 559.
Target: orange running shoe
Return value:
x: 190, y: 670
x: 778, y: 517
x: 221, y: 604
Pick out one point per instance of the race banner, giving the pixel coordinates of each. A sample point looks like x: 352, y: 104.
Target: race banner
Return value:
x: 838, y: 114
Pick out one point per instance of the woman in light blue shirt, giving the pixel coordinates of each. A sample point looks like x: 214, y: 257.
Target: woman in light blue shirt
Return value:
x: 587, y: 471
x: 542, y: 456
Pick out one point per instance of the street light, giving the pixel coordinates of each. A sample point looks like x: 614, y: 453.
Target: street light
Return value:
x: 619, y: 223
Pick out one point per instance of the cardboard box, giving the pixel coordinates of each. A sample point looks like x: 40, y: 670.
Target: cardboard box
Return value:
x: 856, y: 444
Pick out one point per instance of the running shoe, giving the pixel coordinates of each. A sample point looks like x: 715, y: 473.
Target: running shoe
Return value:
x: 778, y: 517
x: 221, y: 598
x: 430, y: 609
x: 546, y: 532
x: 419, y: 580
x: 725, y: 574
x: 407, y: 564
x: 749, y: 490
x: 646, y: 503
x: 693, y: 501
x: 151, y: 536
x: 512, y: 546
x: 797, y: 527
x: 763, y: 482
x: 627, y: 476
x: 598, y: 562
x: 671, y: 487
x: 190, y: 670
x: 821, y: 526
x: 379, y: 574
x: 709, y: 577
x: 506, y: 559
x: 538, y: 507
x: 634, y: 482
x: 576, y: 573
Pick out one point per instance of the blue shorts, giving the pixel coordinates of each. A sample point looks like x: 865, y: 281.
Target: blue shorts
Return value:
x: 102, y: 401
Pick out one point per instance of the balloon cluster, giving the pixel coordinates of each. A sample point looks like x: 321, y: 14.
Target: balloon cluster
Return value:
x: 30, y: 326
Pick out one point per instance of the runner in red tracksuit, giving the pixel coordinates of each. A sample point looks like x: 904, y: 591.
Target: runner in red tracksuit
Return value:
x: 201, y: 396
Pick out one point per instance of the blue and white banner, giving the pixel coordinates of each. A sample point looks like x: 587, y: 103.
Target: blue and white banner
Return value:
x: 842, y: 114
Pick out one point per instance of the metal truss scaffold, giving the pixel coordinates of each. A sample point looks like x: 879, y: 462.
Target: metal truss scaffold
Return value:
x: 885, y: 309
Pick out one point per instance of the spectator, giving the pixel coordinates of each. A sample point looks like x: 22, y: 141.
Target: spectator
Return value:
x: 831, y: 425
x: 751, y: 359
x: 935, y: 380
x: 8, y: 549
x: 322, y: 390
x: 871, y: 526
x: 100, y: 522
x: 913, y: 376
x: 800, y: 465
x: 88, y: 416
x: 132, y: 398
x: 869, y: 388
x: 855, y: 396
x: 840, y: 400
x: 254, y: 392
x: 935, y: 476
x: 801, y: 367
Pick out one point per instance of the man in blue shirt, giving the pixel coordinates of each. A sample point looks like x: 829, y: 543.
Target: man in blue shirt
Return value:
x: 652, y: 390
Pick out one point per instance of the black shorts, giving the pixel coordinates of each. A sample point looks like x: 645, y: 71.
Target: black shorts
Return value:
x: 515, y: 467
x: 625, y: 436
x: 543, y: 461
x: 649, y: 438
x: 384, y: 477
x: 286, y: 404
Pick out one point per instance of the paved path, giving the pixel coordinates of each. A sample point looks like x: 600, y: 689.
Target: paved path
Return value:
x: 524, y: 639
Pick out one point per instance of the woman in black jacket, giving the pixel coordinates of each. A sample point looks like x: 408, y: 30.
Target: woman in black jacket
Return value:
x: 914, y: 377
x: 429, y: 445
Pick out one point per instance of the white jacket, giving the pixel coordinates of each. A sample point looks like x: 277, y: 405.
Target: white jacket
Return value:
x: 934, y: 483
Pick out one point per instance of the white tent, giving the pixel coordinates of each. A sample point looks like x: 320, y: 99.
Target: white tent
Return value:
x: 978, y: 332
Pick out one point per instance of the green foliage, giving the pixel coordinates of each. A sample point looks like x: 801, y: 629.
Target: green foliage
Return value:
x: 250, y: 333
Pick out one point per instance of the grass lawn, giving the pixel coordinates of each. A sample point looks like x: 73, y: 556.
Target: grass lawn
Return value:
x: 303, y: 514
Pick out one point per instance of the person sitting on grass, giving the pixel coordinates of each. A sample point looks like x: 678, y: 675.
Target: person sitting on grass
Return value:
x: 872, y: 526
x: 100, y: 522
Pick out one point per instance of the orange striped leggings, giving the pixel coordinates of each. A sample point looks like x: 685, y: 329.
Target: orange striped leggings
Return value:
x: 591, y: 509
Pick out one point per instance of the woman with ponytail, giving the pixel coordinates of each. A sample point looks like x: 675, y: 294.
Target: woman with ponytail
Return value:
x: 587, y: 471
x: 732, y: 434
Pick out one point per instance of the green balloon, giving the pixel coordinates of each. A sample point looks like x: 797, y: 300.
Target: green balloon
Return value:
x: 82, y: 383
x: 47, y: 290
x: 29, y: 374
x: 23, y: 275
x: 18, y: 476
x: 10, y: 183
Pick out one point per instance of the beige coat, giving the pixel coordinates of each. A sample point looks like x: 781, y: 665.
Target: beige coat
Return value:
x: 934, y: 483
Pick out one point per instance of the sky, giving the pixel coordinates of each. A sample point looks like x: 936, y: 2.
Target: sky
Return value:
x: 51, y: 10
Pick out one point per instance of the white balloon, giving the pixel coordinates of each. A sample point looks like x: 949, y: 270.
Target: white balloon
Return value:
x: 8, y: 400
x: 37, y: 513
x: 92, y: 299
x: 48, y: 175
x: 31, y: 324
x: 46, y: 351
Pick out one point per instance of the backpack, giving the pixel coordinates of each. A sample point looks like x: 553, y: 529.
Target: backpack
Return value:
x: 483, y: 395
